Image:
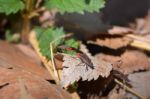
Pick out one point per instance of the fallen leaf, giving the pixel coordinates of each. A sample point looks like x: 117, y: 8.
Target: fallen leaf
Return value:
x: 128, y: 62
x: 112, y: 42
x: 23, y: 78
x: 47, y: 18
x: 84, y: 49
x: 24, y: 94
x: 12, y: 57
x: 147, y: 36
x: 28, y: 51
x: 140, y: 83
x: 119, y: 30
x: 94, y: 89
x: 142, y: 25
x: 116, y: 93
x: 74, y: 70
x: 20, y: 84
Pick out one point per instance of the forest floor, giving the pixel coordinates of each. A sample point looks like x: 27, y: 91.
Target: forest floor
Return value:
x: 123, y: 56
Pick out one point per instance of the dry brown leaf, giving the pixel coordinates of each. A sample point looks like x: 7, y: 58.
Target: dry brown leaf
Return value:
x: 75, y: 70
x: 84, y: 49
x: 12, y: 57
x: 24, y: 94
x: 116, y: 94
x: 113, y: 42
x: 47, y: 18
x: 142, y: 25
x: 140, y: 83
x: 22, y: 78
x: 147, y: 36
x: 119, y: 30
x: 128, y: 62
x: 20, y: 84
x: 27, y: 50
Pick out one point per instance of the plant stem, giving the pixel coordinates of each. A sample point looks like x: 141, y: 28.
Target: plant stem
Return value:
x: 26, y: 25
x: 25, y: 29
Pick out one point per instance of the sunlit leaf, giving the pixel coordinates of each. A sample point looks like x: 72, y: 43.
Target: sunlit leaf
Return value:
x: 71, y: 43
x: 95, y: 5
x: 79, y: 6
x: 11, y: 6
x: 46, y: 36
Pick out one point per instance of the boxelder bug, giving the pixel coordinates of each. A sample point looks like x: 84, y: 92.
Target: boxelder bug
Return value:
x: 82, y: 56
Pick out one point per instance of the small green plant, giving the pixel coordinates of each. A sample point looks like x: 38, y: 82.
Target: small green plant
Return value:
x: 11, y: 37
x: 27, y: 9
x: 48, y: 38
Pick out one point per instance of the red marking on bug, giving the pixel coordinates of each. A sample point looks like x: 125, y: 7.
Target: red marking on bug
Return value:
x: 69, y: 49
x: 78, y: 55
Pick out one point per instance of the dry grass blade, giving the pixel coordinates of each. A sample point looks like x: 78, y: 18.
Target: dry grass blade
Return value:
x: 128, y: 89
x: 56, y: 73
x: 139, y: 38
x: 141, y: 45
x: 53, y: 63
x: 47, y: 64
x: 50, y: 65
x: 139, y: 42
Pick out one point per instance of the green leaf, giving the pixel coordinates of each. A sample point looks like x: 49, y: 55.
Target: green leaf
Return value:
x: 39, y: 32
x: 11, y: 37
x: 46, y: 36
x: 95, y: 5
x: 71, y: 43
x: 11, y: 6
x: 78, y: 6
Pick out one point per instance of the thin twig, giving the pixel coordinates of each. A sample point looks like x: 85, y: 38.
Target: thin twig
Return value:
x: 53, y: 63
x: 52, y: 56
x: 128, y: 89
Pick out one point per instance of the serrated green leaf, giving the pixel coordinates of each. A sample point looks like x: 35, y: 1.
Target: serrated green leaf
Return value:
x: 46, y: 36
x: 95, y: 5
x: 11, y: 6
x: 39, y: 32
x: 73, y: 53
x: 69, y: 6
x: 11, y: 37
x: 71, y: 43
x: 78, y: 6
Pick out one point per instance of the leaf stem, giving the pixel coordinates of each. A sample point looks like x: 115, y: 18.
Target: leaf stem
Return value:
x: 128, y: 89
